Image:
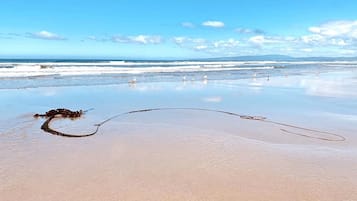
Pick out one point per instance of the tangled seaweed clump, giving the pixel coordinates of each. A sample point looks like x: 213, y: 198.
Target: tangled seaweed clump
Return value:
x: 65, y: 113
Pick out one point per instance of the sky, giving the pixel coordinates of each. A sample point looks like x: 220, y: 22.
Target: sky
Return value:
x: 159, y: 29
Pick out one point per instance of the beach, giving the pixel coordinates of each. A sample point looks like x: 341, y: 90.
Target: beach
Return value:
x: 190, y: 147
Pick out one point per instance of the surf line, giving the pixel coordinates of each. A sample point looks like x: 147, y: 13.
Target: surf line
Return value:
x: 65, y: 113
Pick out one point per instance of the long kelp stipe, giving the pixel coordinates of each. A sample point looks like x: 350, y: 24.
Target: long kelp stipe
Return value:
x: 65, y: 113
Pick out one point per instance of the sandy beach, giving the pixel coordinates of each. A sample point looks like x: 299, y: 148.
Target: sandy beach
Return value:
x: 159, y: 100
x: 185, y: 154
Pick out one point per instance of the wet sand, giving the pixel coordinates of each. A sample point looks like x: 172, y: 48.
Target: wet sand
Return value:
x: 183, y: 154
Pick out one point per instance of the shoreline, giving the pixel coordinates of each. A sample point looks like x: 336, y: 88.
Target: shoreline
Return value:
x: 183, y: 154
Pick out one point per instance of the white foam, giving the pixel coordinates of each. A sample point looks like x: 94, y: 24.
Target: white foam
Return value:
x: 22, y: 69
x: 120, y: 67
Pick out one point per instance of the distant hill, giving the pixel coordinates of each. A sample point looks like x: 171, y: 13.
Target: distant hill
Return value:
x: 270, y: 57
x: 280, y: 58
x: 255, y: 58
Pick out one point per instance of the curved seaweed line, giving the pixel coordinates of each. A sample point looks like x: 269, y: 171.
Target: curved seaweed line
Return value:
x: 338, y: 137
x: 45, y: 126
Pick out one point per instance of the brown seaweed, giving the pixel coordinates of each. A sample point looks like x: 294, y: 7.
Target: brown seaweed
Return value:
x: 66, y: 113
x: 62, y: 113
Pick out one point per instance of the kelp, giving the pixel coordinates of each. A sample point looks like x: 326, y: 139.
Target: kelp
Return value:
x: 66, y: 113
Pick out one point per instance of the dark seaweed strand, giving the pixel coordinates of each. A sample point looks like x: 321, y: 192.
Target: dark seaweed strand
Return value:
x: 45, y: 126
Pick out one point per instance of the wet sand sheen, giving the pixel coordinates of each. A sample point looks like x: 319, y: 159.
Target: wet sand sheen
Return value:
x: 155, y: 157
x: 177, y: 155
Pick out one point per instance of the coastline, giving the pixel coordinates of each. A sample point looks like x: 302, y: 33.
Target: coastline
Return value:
x: 183, y: 155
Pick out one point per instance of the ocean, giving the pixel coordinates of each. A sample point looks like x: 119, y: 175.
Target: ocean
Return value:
x: 19, y: 73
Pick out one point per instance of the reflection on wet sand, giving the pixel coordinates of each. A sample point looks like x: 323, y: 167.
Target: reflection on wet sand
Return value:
x: 65, y: 113
x: 158, y: 157
x: 183, y: 154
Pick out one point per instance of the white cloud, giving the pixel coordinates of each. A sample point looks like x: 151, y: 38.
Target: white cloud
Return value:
x: 201, y: 47
x: 338, y: 42
x: 321, y: 40
x: 257, y: 40
x: 139, y: 39
x: 315, y: 29
x: 261, y: 40
x: 306, y: 50
x: 334, y: 33
x: 227, y: 47
x: 188, y: 24
x: 230, y: 43
x: 336, y: 29
x: 337, y: 38
x: 198, y: 40
x: 309, y: 45
x: 214, y: 24
x: 332, y: 38
x: 179, y: 40
x: 146, y: 39
x: 207, y: 46
x: 313, y: 39
x: 97, y: 39
x: 249, y: 31
x: 46, y: 35
x: 184, y: 41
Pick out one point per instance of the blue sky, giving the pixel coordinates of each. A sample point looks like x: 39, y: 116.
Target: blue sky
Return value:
x: 176, y: 29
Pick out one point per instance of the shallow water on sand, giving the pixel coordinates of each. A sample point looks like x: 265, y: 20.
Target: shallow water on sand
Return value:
x: 185, y: 154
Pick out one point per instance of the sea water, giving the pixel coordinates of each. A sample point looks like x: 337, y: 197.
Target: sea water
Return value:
x: 45, y: 73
